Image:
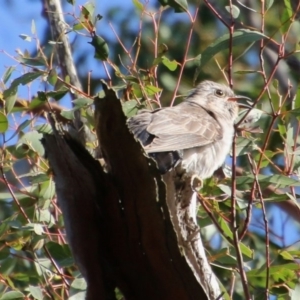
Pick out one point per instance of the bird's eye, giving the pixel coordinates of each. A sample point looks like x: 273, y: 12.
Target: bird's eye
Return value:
x: 219, y: 93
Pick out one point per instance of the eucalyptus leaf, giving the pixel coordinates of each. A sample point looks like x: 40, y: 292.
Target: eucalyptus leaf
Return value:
x: 68, y: 114
x: 178, y: 5
x: 278, y: 180
x: 36, y: 292
x: 81, y: 102
x: 37, y: 61
x: 3, y: 123
x: 234, y: 11
x: 10, y: 97
x: 61, y: 254
x: 79, y: 284
x: 138, y: 5
x: 25, y: 37
x: 33, y: 140
x: 12, y: 295
x: 239, y: 37
x: 244, y: 146
x: 170, y: 64
x: 130, y: 108
x: 269, y: 4
x: 101, y: 47
x: 26, y: 78
x: 7, y: 74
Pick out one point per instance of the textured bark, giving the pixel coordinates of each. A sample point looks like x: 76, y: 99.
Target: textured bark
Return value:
x: 121, y: 231
x: 75, y: 172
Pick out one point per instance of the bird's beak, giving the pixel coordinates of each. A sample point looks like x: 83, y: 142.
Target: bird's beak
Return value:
x: 237, y: 97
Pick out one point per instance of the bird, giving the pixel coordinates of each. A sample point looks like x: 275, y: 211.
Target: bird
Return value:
x: 197, y: 133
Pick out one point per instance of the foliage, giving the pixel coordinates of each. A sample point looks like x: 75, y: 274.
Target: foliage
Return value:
x: 151, y: 65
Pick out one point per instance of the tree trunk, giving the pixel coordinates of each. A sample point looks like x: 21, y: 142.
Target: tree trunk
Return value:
x: 127, y: 226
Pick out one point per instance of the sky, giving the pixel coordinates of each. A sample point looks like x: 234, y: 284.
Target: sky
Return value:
x: 17, y: 17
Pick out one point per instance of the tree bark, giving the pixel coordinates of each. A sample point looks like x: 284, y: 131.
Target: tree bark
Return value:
x: 123, y: 224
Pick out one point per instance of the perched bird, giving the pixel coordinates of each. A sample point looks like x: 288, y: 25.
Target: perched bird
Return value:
x: 197, y: 133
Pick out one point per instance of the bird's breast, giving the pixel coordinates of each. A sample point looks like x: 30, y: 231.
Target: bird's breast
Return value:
x: 204, y: 160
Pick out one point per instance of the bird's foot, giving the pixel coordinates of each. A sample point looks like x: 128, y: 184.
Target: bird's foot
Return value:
x: 196, y: 183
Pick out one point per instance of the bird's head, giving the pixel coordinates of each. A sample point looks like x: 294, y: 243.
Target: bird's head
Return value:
x: 216, y: 97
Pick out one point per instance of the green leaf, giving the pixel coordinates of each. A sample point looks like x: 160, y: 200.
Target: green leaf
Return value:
x: 251, y: 118
x: 79, y: 284
x: 42, y: 266
x: 57, y: 95
x: 82, y: 102
x: 279, y: 180
x: 3, y: 123
x: 37, y: 61
x: 36, y: 292
x: 178, y: 5
x: 36, y: 177
x: 101, y: 47
x: 26, y: 78
x: 61, y: 254
x: 38, y: 229
x: 277, y: 198
x: 281, y: 272
x: 239, y: 37
x: 138, y: 5
x: 289, y: 8
x: 25, y: 37
x: 47, y: 190
x: 151, y: 90
x: 162, y: 49
x: 286, y: 17
x: 285, y: 21
x: 246, y: 251
x: 267, y: 157
x: 12, y: 295
x: 88, y: 10
x: 33, y: 27
x: 44, y: 215
x: 68, y: 114
x: 52, y: 77
x: 78, y: 296
x: 41, y: 97
x: 23, y: 125
x: 43, y: 128
x: 295, y: 295
x: 33, y: 141
x: 7, y: 74
x: 130, y: 108
x: 71, y: 2
x: 171, y: 65
x: 286, y: 255
x: 296, y: 102
x: 268, y: 3
x: 224, y: 257
x: 235, y: 11
x: 77, y: 26
x: 244, y: 146
x: 4, y: 253
x: 86, y: 17
x: 10, y: 97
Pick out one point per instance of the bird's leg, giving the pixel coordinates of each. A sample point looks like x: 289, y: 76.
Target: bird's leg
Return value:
x: 196, y: 183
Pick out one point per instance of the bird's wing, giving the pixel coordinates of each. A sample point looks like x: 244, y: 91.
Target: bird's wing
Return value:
x: 182, y: 127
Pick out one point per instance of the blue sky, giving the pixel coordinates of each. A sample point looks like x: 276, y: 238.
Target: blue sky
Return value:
x: 17, y: 18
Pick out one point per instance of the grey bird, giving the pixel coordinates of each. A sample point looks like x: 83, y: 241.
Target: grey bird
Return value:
x: 197, y: 133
